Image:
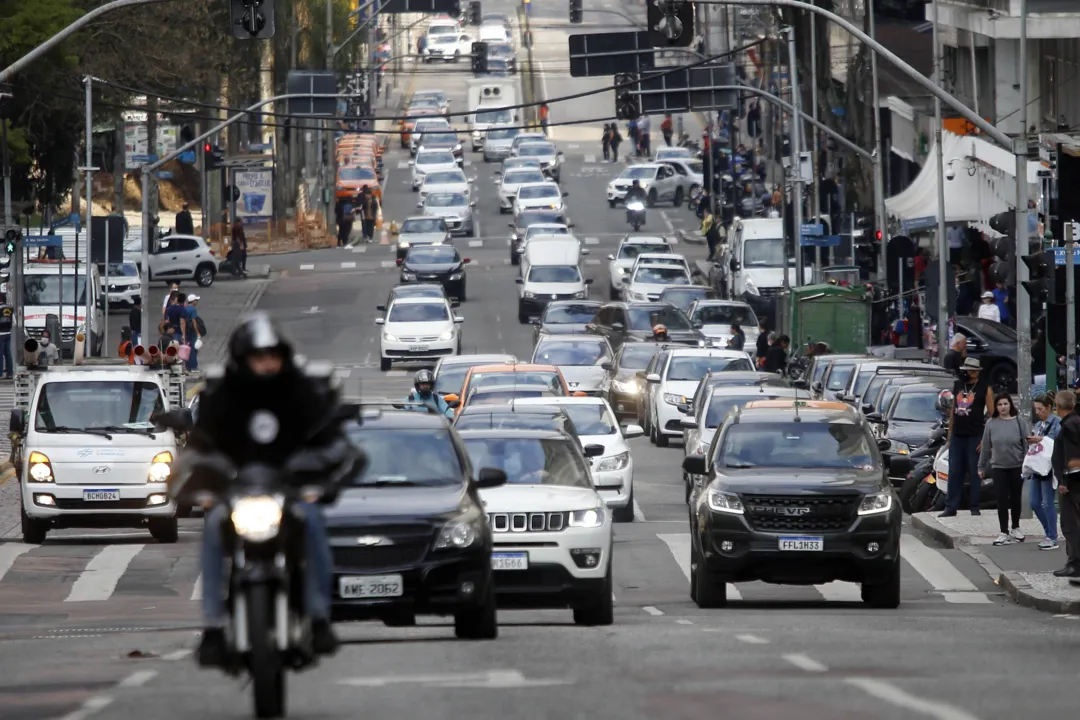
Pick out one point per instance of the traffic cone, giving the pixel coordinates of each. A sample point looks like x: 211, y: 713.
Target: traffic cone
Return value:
x: 378, y: 216
x: 384, y: 237
x: 394, y: 229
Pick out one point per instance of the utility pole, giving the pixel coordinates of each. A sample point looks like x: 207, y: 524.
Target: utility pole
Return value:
x: 814, y: 162
x: 1023, y: 235
x: 796, y: 157
x: 8, y: 215
x: 328, y: 167
x: 879, y: 172
x: 1070, y: 306
x: 941, y: 241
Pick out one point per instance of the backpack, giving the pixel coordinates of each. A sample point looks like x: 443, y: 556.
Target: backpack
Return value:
x: 200, y: 325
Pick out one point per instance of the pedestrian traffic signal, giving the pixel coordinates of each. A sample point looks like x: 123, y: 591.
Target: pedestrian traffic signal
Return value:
x: 480, y: 57
x: 627, y: 105
x: 11, y: 240
x: 252, y: 19
x: 475, y: 13
x: 576, y: 12
x: 1041, y: 286
x: 671, y: 22
x: 213, y: 158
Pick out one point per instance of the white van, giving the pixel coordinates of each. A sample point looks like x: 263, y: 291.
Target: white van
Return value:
x: 550, y: 270
x: 755, y: 259
x: 58, y: 287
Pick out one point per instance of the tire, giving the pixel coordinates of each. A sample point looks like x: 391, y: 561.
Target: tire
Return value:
x: 523, y: 319
x: 384, y: 364
x: 677, y: 200
x: 706, y: 593
x: 651, y: 199
x: 693, y: 195
x: 267, y: 672
x: 601, y: 610
x: 471, y: 232
x: 164, y: 530
x: 479, y: 623
x: 625, y: 514
x: 637, y: 225
x: 611, y: 204
x: 204, y: 275
x: 457, y: 56
x: 461, y: 292
x: 925, y: 495
x: 885, y: 596
x: 907, y: 493
x: 33, y: 531
x: 689, y: 487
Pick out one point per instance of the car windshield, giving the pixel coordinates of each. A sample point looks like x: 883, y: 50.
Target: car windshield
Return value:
x: 536, y: 150
x: 524, y: 175
x: 532, y: 192
x: 501, y: 133
x: 503, y: 397
x: 592, y: 419
x: 795, y: 445
x: 500, y: 49
x: 676, y: 260
x: 429, y: 125
x: 531, y: 461
x: 119, y: 270
x: 433, y: 255
x: 442, y: 30
x: 674, y: 275
x: 435, y: 158
x: 683, y: 298
x: 485, y: 420
x: 441, y: 138
x: 118, y: 406
x: 569, y: 314
x: 695, y: 367
x: 542, y: 230
x: 554, y: 274
x: 873, y: 390
x: 571, y: 352
x: 423, y: 104
x: 841, y: 373
x: 721, y: 405
x: 444, y: 39
x: 418, y: 312
x: 725, y: 315
x: 446, y: 200
x: 636, y: 356
x: 497, y: 65
x: 638, y: 173
x: 887, y: 396
x: 546, y: 379
x: 445, y: 177
x: 356, y: 173
x: 490, y: 117
x: 646, y: 318
x: 632, y: 250
x: 425, y: 225
x: 765, y: 252
x: 421, y: 290
x: 401, y: 456
x: 916, y: 407
x: 55, y: 289
x: 520, y: 163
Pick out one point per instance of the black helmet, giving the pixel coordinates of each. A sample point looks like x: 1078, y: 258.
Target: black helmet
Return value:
x: 257, y: 333
x: 424, y: 377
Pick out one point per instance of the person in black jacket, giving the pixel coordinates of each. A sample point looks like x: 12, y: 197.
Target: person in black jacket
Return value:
x: 184, y: 224
x: 776, y: 358
x: 1066, y: 463
x: 762, y: 343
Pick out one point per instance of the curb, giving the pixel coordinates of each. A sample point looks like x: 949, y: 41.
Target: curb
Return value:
x: 7, y: 471
x: 941, y: 534
x: 1020, y: 591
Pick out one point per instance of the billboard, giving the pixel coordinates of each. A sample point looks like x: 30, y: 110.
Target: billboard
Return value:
x: 256, y: 202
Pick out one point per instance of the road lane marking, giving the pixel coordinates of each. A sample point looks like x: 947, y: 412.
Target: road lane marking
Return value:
x: 752, y: 639
x: 684, y: 622
x: 403, y: 165
x: 196, y: 592
x: 639, y: 516
x: 138, y: 679
x: 359, y: 249
x: 388, y: 263
x: 940, y: 573
x: 590, y: 159
x: 102, y: 573
x: 653, y: 611
x: 901, y: 699
x: 679, y: 545
x: 9, y: 553
x: 307, y: 267
x: 592, y: 241
x: 592, y: 262
x: 667, y: 221
x: 348, y: 265
x: 803, y: 662
x: 177, y: 654
x: 476, y: 243
x: 89, y: 708
x: 838, y: 591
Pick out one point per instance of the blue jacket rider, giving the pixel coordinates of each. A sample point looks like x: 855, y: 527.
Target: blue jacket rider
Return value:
x: 423, y: 398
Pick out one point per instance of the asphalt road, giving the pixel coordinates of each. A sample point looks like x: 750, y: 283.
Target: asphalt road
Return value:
x: 99, y: 624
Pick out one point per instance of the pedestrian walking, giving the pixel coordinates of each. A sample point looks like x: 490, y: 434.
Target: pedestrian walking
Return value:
x: 369, y: 210
x: 776, y: 357
x: 1003, y: 448
x: 170, y: 297
x: 344, y: 216
x: 176, y: 318
x: 989, y: 310
x: 644, y: 137
x: 135, y: 321
x: 967, y: 420
x: 605, y: 141
x: 195, y: 323
x: 1047, y: 427
x: 1066, y: 462
x: 239, y: 251
x: 667, y: 129
x: 616, y: 141
x: 185, y: 225
x: 545, y: 114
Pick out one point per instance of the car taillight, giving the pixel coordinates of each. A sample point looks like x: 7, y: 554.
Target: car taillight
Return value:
x: 211, y: 251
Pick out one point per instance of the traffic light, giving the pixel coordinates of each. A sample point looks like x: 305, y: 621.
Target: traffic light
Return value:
x: 480, y: 57
x: 877, y: 235
x: 1041, y: 287
x: 475, y: 13
x: 230, y: 193
x: 576, y: 12
x: 213, y: 158
x: 252, y: 19
x: 671, y: 22
x: 11, y: 240
x: 627, y: 105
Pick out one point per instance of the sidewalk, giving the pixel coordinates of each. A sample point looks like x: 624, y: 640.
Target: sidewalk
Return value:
x: 1023, y: 570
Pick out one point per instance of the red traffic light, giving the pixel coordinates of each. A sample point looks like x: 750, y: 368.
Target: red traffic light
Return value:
x: 207, y: 147
x: 877, y: 236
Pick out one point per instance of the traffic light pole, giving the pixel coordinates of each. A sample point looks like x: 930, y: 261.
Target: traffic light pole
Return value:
x: 796, y: 160
x: 1070, y: 307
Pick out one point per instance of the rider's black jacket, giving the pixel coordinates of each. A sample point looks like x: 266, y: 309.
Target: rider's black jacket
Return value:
x: 636, y: 193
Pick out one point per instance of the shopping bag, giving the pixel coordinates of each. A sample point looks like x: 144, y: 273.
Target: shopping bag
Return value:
x: 1038, y: 458
x: 184, y: 352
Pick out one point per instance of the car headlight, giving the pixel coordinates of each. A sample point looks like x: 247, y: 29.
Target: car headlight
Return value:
x: 751, y: 287
x: 615, y: 462
x: 672, y: 399
x: 449, y: 334
x: 725, y: 502
x: 389, y: 338
x: 408, y: 276
x: 620, y: 271
x: 404, y: 245
x: 456, y: 276
x: 580, y: 295
x: 876, y: 503
x: 591, y: 518
x: 160, y: 467
x: 631, y: 387
x: 258, y: 518
x: 135, y: 286
x: 40, y: 468
x: 529, y: 295
x: 460, y: 532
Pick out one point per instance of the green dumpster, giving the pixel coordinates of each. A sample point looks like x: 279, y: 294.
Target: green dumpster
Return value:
x: 834, y: 314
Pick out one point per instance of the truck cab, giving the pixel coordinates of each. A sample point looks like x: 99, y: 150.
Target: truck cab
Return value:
x: 754, y: 263
x: 59, y: 288
x: 87, y: 450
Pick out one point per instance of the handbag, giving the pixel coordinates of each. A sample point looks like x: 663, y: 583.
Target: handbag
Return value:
x: 184, y: 352
x: 1038, y: 460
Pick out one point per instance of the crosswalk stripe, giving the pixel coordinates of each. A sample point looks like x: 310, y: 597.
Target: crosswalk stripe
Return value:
x: 388, y: 263
x: 592, y: 262
x: 359, y: 249
x: 103, y: 572
x: 840, y: 591
x: 679, y: 545
x: 9, y: 553
x: 196, y: 592
x: 592, y: 241
x: 307, y: 267
x: 936, y: 569
x: 590, y: 159
x: 476, y: 243
x: 403, y: 165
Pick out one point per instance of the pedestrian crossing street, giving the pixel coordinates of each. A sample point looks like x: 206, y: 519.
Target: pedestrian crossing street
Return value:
x: 77, y: 574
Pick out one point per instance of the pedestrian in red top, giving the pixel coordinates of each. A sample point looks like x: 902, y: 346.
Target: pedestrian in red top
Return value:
x: 544, y: 117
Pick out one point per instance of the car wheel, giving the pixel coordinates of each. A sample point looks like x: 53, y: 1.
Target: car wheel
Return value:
x: 487, y: 159
x: 611, y: 204
x: 601, y: 609
x: 677, y: 201
x: 689, y: 482
x: 457, y: 56
x: 652, y: 199
x: 625, y: 514
x: 694, y: 194
x: 33, y: 531
x: 184, y: 511
x: 384, y: 364
x: 164, y: 530
x: 662, y: 440
x: 706, y: 592
x: 481, y: 622
x: 470, y: 232
x: 886, y: 595
x: 204, y: 275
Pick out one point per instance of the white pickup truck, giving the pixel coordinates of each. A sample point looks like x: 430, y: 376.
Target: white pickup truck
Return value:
x: 87, y: 452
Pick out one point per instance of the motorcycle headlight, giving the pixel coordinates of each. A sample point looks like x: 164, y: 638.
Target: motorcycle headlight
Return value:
x: 160, y: 467
x: 876, y: 503
x: 447, y: 335
x: 635, y: 207
x: 591, y: 518
x: 258, y: 519
x: 404, y: 245
x: 725, y: 502
x: 615, y: 462
x: 672, y: 399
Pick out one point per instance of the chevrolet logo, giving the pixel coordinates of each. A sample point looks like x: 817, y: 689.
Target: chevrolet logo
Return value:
x: 371, y: 541
x: 790, y: 511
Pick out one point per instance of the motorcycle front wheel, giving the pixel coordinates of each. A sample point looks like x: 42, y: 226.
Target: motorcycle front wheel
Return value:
x: 637, y: 225
x: 267, y: 671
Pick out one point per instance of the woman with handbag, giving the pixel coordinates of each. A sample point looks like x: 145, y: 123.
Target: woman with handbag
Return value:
x: 1038, y: 466
x: 1004, y: 447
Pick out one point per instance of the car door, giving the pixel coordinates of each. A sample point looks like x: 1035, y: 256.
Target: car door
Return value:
x: 165, y: 260
x: 666, y: 183
x: 188, y: 254
x: 658, y: 366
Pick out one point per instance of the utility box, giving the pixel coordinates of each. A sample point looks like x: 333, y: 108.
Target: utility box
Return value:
x: 833, y: 314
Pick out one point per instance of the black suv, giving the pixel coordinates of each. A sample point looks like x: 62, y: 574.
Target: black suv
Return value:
x: 795, y: 493
x: 410, y: 535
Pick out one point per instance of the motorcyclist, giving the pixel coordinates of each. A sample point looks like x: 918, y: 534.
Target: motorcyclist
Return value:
x: 265, y: 409
x: 635, y: 193
x: 660, y: 333
x: 423, y: 398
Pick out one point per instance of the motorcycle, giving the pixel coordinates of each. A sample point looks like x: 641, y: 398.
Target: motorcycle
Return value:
x: 635, y: 214
x: 918, y: 492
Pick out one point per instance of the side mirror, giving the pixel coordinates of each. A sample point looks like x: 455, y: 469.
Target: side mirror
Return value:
x: 694, y: 465
x: 565, y: 194
x: 179, y: 420
x: 618, y: 327
x: 594, y: 450
x: 490, y: 478
x: 867, y: 408
x: 607, y: 366
x: 875, y: 417
x: 458, y: 319
x: 817, y: 387
x: 684, y: 408
x: 883, y: 445
x: 633, y: 431
x: 569, y: 225
x: 800, y: 384
x: 588, y: 281
x: 472, y: 204
x: 380, y: 321
x: 380, y: 308
x: 519, y: 281
x: 610, y: 257
x: 420, y: 203
x: 17, y: 424
x: 688, y: 423
x: 652, y: 378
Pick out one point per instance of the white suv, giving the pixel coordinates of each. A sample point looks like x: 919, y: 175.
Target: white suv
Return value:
x: 551, y: 529
x: 612, y: 471
x: 659, y: 181
x: 673, y: 378
x: 418, y: 328
x: 622, y: 261
x: 647, y: 281
x: 176, y: 257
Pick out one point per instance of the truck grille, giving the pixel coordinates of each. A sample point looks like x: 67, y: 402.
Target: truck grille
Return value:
x: 527, y: 522
x: 378, y: 557
x: 770, y: 291
x: 817, y: 513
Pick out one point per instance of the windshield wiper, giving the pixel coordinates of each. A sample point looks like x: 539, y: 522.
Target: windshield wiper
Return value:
x: 80, y: 431
x: 124, y: 429
x: 739, y: 465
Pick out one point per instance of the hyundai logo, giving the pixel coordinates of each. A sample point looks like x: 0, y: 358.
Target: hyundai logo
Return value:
x: 371, y: 541
x: 101, y: 469
x: 792, y: 511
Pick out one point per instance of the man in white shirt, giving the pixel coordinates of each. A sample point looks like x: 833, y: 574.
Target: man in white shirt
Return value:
x: 165, y: 304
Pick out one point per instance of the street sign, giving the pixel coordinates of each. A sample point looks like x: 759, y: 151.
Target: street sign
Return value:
x: 688, y: 89
x: 187, y: 157
x: 1059, y: 255
x: 813, y: 229
x: 821, y: 241
x: 433, y: 7
x: 317, y: 82
x: 164, y: 175
x: 72, y: 219
x: 43, y: 241
x: 919, y: 223
x: 601, y: 54
x: 144, y: 159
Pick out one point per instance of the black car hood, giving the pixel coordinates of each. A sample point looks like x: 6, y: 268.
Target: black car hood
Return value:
x: 912, y: 433
x: 373, y: 503
x: 687, y: 337
x: 433, y: 269
x: 799, y: 481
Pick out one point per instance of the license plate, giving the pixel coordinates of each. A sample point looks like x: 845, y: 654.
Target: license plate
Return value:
x: 802, y: 544
x: 418, y: 348
x: 372, y: 586
x: 101, y: 495
x: 509, y: 561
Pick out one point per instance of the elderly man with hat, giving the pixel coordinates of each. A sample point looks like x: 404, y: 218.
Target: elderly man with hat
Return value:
x: 974, y: 401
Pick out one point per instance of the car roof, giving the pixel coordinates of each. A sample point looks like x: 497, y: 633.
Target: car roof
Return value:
x: 514, y: 434
x: 379, y: 418
x: 645, y: 240
x: 517, y: 406
x: 730, y: 375
x: 772, y: 410
x: 926, y: 386
x: 514, y: 367
x: 422, y: 217
x: 425, y: 300
x: 545, y: 183
x: 519, y: 387
x: 687, y: 351
x: 758, y: 389
x: 588, y: 303
x: 487, y: 359
x: 653, y: 265
x: 715, y: 302
x: 681, y: 288
x: 560, y: 400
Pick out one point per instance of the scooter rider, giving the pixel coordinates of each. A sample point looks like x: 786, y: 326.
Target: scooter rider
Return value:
x: 423, y: 397
x: 660, y: 333
x: 265, y: 409
x: 636, y: 192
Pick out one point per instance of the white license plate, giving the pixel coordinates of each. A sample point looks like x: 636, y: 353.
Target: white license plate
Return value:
x: 372, y: 586
x: 101, y: 495
x: 802, y: 544
x: 509, y: 561
x: 418, y: 348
